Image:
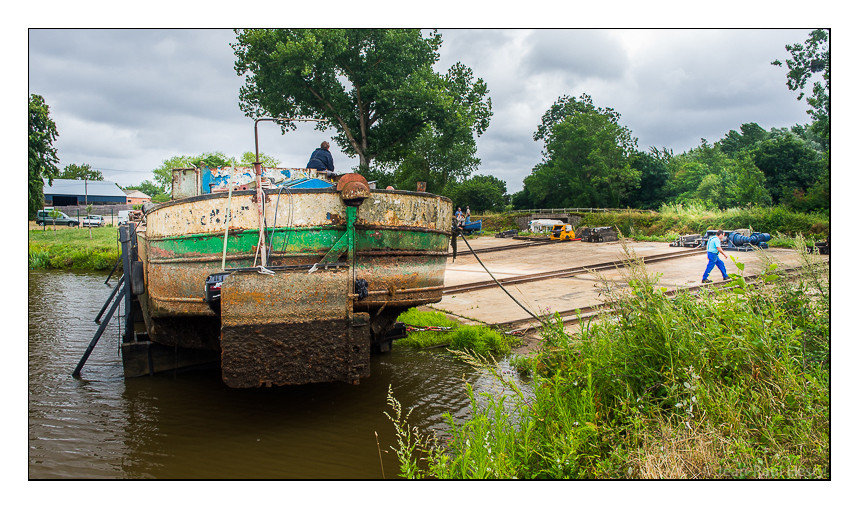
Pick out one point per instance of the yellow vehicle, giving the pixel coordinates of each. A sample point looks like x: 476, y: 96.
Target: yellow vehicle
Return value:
x: 562, y: 232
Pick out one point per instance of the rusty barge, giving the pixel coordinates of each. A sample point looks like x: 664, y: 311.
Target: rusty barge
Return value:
x: 281, y: 276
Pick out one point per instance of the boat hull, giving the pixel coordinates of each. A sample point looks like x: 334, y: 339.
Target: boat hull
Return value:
x: 400, y: 247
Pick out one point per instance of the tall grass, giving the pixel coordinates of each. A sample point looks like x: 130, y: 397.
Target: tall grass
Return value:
x: 435, y: 329
x: 701, y: 385
x: 72, y: 248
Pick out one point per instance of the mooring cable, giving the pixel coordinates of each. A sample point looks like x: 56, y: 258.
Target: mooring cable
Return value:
x: 498, y: 283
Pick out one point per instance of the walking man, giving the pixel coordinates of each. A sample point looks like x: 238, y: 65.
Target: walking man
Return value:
x: 715, y: 248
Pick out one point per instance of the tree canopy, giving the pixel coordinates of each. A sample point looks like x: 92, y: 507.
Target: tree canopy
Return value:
x: 375, y: 87
x: 586, y: 157
x: 81, y: 172
x: 41, y: 155
x: 806, y: 60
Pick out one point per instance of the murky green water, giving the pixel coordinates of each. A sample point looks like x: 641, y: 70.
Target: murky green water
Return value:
x: 190, y: 426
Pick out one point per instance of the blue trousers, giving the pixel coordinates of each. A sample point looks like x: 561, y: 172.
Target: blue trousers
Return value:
x: 714, y: 260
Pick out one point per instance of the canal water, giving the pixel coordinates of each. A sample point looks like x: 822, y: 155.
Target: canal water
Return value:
x: 189, y: 425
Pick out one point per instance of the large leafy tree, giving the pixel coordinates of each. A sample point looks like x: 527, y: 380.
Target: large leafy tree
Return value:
x: 41, y: 155
x: 81, y: 172
x: 375, y: 87
x: 586, y: 157
x: 789, y: 163
x: 807, y: 60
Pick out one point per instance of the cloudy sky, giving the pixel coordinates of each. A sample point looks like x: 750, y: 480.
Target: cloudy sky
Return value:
x: 126, y: 100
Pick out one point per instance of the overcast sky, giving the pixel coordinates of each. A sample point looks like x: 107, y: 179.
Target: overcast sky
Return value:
x: 126, y: 100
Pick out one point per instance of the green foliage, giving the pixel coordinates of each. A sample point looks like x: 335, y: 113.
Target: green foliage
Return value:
x: 807, y: 60
x: 73, y: 248
x: 481, y: 193
x: 586, y: 158
x: 376, y: 87
x: 436, y: 159
x: 41, y: 154
x: 789, y: 163
x: 81, y: 172
x: 728, y: 385
x: 446, y: 332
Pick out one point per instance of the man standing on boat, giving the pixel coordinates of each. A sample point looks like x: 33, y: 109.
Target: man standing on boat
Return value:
x: 322, y: 161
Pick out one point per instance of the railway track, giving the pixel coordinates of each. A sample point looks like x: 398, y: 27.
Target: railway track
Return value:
x: 561, y: 273
x: 527, y: 244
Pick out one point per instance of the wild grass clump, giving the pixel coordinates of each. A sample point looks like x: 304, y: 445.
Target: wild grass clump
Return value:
x: 709, y: 385
x: 72, y: 248
x: 435, y: 329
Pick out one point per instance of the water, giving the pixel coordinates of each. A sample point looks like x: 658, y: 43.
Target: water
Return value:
x: 191, y: 426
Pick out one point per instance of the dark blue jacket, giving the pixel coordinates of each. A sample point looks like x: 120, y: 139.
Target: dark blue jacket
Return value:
x: 321, y: 160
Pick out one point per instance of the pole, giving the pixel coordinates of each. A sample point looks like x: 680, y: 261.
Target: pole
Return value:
x: 77, y: 373
x: 227, y: 221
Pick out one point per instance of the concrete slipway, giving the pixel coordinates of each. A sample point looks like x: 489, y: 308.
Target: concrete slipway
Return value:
x: 493, y: 306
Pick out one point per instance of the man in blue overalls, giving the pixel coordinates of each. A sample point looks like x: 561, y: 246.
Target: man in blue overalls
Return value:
x: 715, y: 248
x: 321, y: 160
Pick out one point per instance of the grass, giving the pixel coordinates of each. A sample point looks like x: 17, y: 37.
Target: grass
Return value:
x: 72, y: 248
x: 435, y: 329
x: 701, y: 385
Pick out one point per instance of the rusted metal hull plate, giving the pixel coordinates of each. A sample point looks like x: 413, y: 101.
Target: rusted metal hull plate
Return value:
x: 401, y: 237
x: 291, y: 327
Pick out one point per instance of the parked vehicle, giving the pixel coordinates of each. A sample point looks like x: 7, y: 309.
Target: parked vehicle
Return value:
x: 543, y: 225
x: 46, y: 216
x: 562, y: 232
x: 93, y: 220
x: 122, y: 217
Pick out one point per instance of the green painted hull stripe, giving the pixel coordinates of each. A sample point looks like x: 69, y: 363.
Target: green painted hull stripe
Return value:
x: 298, y: 240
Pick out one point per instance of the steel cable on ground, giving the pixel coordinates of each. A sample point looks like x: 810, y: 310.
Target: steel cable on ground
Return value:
x: 497, y: 282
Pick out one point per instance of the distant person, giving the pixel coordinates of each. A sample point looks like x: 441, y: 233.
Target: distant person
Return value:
x: 459, y: 216
x: 468, y: 215
x: 715, y: 248
x: 322, y: 161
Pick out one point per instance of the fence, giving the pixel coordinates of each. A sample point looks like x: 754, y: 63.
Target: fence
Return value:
x: 110, y: 212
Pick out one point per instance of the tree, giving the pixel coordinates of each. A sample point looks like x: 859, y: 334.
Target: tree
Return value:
x: 80, y: 172
x: 480, y: 193
x: 41, y: 155
x: 436, y: 160
x: 654, y: 174
x: 734, y: 142
x: 586, y: 157
x: 375, y: 87
x: 789, y: 163
x: 807, y: 60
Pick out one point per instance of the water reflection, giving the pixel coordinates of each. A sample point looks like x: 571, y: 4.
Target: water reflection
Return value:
x: 190, y: 425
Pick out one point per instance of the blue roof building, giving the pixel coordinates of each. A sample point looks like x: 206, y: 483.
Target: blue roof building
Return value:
x: 79, y: 192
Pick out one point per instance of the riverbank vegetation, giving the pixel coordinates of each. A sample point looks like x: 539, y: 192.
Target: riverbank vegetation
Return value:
x: 709, y: 385
x: 694, y: 217
x: 72, y: 248
x: 430, y: 329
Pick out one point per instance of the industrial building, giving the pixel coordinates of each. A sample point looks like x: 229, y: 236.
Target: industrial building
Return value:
x: 66, y: 192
